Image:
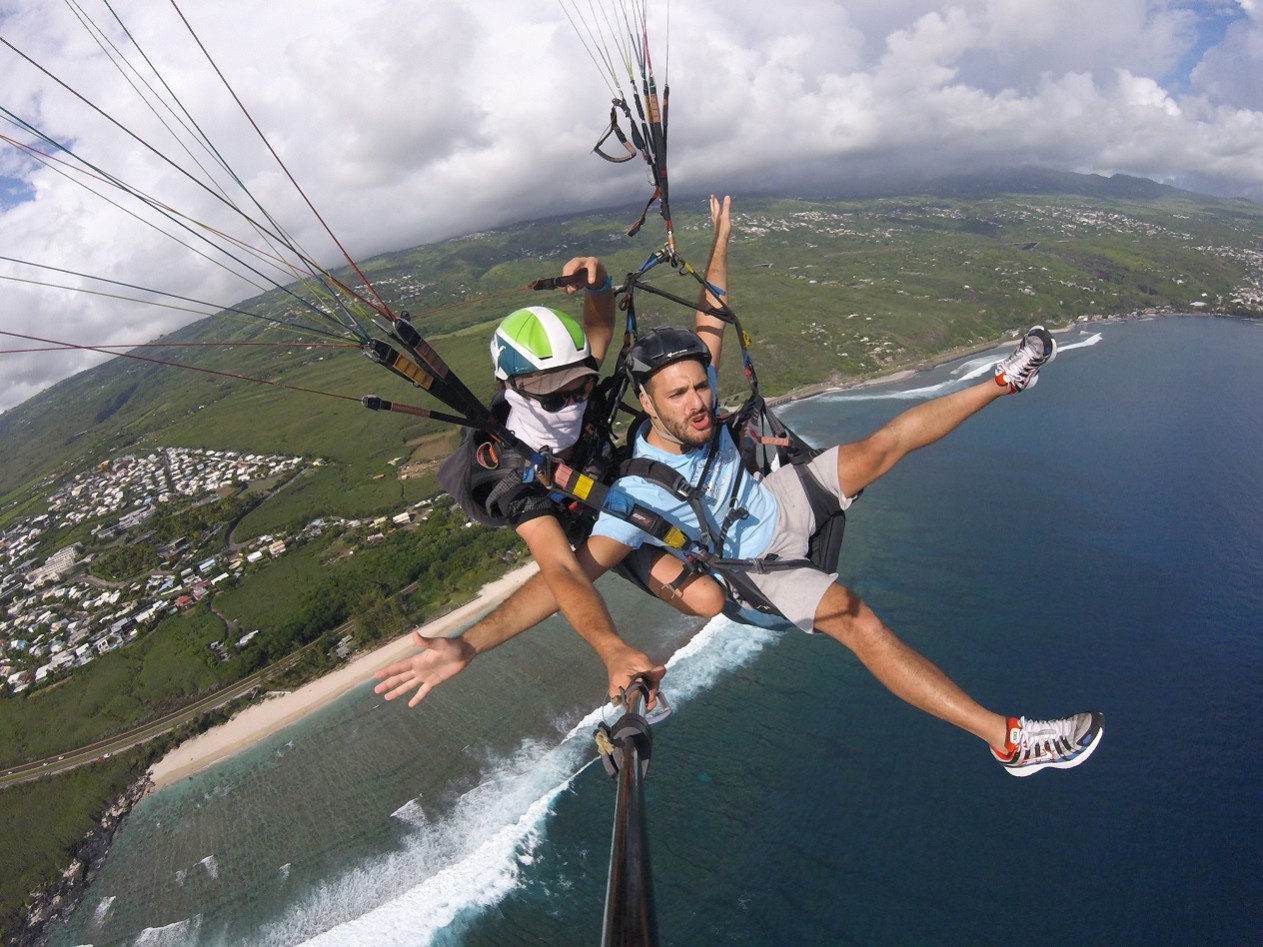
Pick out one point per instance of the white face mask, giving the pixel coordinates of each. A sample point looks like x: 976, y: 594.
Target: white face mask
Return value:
x: 538, y: 428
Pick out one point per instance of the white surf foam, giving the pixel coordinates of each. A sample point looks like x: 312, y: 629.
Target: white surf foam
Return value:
x: 473, y: 856
x: 1091, y: 340
x: 211, y: 866
x: 172, y: 935
x: 968, y: 371
x: 961, y: 376
x: 102, y: 909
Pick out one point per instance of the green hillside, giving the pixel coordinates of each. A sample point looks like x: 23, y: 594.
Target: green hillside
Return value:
x: 830, y: 290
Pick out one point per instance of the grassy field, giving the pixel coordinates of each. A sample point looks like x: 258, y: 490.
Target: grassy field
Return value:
x: 42, y: 823
x: 158, y: 671
x: 267, y: 598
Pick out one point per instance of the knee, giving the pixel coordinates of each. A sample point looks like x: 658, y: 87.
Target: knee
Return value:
x: 842, y: 615
x: 702, y: 597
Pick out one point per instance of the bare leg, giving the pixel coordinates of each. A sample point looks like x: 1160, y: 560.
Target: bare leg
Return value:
x: 700, y: 595
x: 908, y: 675
x: 862, y: 462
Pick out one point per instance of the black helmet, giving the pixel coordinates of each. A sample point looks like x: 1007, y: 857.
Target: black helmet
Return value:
x: 660, y: 347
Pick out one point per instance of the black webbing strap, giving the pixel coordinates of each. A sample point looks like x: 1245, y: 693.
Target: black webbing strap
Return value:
x: 592, y: 493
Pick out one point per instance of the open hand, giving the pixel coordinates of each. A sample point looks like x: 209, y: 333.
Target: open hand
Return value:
x: 721, y: 218
x: 443, y: 658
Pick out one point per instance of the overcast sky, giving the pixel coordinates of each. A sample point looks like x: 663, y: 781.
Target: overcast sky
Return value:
x: 408, y: 121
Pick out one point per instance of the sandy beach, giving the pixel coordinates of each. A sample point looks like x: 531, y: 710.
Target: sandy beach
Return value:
x: 261, y: 720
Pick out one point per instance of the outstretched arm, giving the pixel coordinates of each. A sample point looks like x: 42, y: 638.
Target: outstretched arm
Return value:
x: 562, y: 578
x: 708, y: 327
x: 442, y: 658
x: 579, y: 601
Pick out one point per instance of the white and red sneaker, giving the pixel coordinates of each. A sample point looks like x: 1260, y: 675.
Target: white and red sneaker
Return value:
x: 1035, y: 744
x: 1021, y: 369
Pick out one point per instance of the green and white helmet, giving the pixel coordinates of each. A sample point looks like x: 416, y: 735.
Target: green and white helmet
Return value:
x: 537, y: 339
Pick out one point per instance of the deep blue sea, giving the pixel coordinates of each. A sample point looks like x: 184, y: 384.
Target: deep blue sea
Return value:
x: 1095, y: 543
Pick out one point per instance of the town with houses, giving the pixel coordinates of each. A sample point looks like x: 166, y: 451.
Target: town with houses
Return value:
x: 55, y: 616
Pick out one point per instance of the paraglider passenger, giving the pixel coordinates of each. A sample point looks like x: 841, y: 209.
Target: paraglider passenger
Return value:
x: 673, y: 371
x: 547, y: 364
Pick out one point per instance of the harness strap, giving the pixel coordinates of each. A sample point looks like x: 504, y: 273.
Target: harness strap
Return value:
x: 591, y: 492
x: 735, y: 513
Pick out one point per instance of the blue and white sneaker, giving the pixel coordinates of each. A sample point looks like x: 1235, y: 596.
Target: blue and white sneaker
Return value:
x: 1021, y: 369
x: 1061, y: 744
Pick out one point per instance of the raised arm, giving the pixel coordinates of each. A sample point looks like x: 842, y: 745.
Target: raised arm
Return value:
x: 598, y: 303
x: 708, y: 327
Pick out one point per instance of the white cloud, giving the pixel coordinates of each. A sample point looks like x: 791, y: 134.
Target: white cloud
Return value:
x: 1228, y: 74
x: 407, y: 123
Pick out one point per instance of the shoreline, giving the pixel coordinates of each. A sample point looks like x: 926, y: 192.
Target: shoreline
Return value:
x: 896, y: 375
x: 261, y: 720
x: 931, y: 362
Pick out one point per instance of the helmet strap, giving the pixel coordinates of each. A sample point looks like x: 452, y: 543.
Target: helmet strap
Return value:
x: 651, y: 409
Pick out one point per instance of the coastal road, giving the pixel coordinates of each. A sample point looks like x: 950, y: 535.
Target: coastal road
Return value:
x: 103, y: 749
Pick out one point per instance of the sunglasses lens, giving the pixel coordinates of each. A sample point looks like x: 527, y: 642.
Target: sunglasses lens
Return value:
x: 559, y: 399
x: 555, y: 401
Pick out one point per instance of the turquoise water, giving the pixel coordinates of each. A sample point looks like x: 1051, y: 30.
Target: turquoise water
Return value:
x: 1095, y: 543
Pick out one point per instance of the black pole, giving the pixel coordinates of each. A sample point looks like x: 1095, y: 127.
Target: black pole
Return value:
x: 630, y: 919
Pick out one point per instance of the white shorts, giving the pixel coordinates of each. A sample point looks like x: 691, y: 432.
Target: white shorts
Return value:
x: 796, y: 593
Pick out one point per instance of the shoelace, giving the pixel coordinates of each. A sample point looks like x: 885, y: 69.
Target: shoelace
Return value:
x: 1019, y: 365
x: 1037, y: 734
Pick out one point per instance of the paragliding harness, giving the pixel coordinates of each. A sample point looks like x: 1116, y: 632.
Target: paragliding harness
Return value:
x: 764, y: 442
x: 504, y: 483
x: 705, y: 553
x: 498, y: 480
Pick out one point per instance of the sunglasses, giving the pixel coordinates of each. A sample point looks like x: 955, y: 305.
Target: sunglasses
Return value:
x: 554, y: 401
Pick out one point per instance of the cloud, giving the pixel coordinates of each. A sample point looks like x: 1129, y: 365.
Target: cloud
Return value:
x: 1228, y: 74
x: 408, y: 123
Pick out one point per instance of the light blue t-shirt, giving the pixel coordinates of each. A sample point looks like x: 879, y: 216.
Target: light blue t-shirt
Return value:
x: 748, y: 538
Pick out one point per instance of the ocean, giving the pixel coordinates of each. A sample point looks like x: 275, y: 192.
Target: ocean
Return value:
x: 1095, y: 543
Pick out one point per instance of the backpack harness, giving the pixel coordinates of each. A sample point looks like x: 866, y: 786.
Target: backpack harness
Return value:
x: 498, y: 480
x: 758, y: 434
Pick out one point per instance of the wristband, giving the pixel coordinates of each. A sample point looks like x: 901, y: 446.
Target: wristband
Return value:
x: 603, y: 288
